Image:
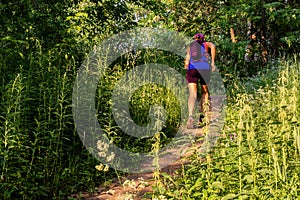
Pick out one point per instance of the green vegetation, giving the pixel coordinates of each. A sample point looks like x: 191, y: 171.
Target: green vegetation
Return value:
x: 258, y: 155
x: 43, y: 44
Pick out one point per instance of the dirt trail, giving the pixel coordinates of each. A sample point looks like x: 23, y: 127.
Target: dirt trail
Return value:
x: 136, y: 186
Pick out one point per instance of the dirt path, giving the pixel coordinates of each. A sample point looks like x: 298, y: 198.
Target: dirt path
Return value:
x: 137, y: 186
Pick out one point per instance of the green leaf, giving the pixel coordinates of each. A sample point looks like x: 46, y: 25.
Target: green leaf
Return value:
x: 249, y: 178
x: 198, y: 183
x: 217, y: 185
x: 253, y: 143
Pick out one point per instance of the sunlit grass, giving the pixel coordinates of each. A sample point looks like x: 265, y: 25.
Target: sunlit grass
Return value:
x: 258, y: 156
x: 42, y: 156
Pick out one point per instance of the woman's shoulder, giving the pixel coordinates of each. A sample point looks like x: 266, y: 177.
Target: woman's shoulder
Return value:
x: 209, y: 44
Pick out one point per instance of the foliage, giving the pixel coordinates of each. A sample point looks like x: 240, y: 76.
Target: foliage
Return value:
x: 41, y: 154
x: 258, y: 155
x: 139, y: 104
x: 275, y: 24
x: 43, y: 43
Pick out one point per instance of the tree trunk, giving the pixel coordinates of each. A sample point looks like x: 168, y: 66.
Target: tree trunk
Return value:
x: 232, y: 35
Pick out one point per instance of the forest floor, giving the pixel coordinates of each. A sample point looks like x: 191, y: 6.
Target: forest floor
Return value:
x: 139, y: 186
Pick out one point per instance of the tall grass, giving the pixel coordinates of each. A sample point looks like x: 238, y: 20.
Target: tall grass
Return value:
x: 41, y: 155
x: 258, y: 155
x: 140, y: 102
x: 13, y: 147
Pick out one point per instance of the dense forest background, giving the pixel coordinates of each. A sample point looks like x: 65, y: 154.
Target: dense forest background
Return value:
x: 43, y: 44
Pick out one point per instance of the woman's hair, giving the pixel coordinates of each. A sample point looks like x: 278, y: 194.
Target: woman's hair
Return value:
x: 199, y: 38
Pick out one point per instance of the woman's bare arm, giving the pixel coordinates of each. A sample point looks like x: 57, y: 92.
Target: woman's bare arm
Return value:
x: 187, y: 59
x: 213, y: 54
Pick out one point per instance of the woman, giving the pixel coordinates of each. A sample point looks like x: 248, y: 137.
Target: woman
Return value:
x: 198, y: 69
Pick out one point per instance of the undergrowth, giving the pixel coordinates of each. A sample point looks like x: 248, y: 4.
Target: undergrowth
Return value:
x: 258, y: 155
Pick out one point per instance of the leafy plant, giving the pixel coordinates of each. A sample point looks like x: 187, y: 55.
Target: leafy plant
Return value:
x: 258, y: 155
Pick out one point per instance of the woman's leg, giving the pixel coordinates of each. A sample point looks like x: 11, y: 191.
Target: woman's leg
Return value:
x: 204, y: 103
x: 204, y: 98
x: 191, y: 103
x: 192, y: 97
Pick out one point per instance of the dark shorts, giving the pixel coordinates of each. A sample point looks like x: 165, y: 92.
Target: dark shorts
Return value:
x: 194, y: 75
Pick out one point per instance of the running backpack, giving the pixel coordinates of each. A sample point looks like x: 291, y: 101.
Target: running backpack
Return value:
x: 195, y: 50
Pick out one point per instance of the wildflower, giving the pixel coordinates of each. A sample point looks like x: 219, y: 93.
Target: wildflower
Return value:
x: 99, y: 167
x: 130, y: 184
x: 110, y: 157
x: 102, y: 146
x: 101, y: 154
x: 142, y: 183
x: 106, y: 168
